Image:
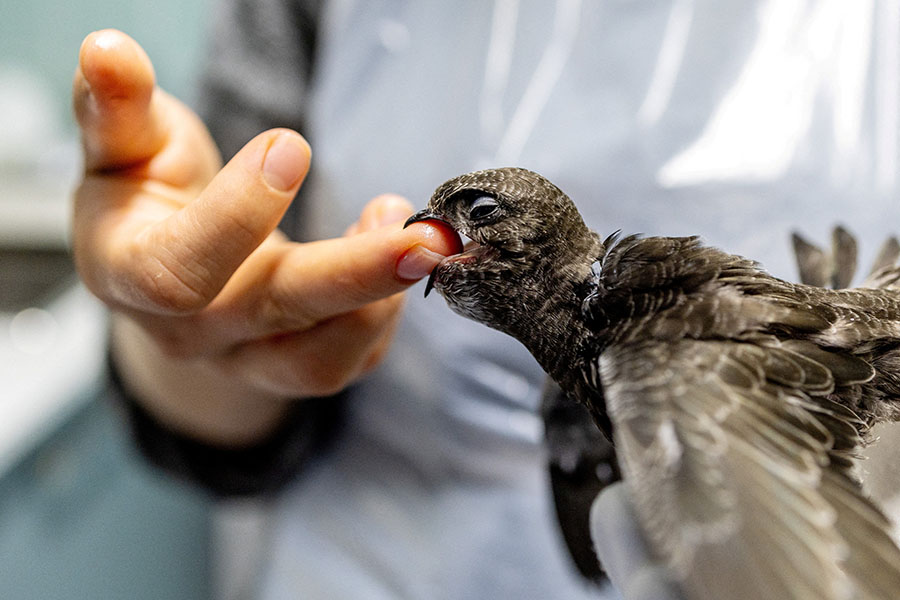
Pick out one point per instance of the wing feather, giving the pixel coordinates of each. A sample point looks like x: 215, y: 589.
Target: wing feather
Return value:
x: 844, y: 251
x: 739, y: 466
x: 887, y: 256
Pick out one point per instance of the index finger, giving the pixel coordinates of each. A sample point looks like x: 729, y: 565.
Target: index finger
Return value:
x: 134, y: 248
x: 113, y: 97
x: 319, y: 280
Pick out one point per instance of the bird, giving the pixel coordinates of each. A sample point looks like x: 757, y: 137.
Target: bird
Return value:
x: 736, y: 402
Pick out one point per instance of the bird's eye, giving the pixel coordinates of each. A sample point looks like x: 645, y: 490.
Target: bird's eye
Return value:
x: 483, y: 207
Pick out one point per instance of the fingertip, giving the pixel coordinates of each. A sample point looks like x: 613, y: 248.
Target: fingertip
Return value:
x: 436, y: 236
x: 431, y: 243
x: 115, y: 66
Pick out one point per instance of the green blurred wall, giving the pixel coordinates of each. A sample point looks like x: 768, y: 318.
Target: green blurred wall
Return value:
x: 82, y: 517
x: 44, y: 36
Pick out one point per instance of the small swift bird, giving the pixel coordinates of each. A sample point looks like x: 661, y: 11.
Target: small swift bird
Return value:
x: 736, y: 402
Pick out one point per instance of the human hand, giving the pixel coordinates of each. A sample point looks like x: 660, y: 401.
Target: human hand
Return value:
x: 218, y: 319
x: 622, y: 551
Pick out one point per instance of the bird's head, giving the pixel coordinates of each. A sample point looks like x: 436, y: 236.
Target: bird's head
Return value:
x: 526, y: 235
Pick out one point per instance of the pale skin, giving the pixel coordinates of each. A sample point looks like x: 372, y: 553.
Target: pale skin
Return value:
x: 218, y: 320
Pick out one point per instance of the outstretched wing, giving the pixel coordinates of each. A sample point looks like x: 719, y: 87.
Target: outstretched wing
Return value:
x: 739, y: 467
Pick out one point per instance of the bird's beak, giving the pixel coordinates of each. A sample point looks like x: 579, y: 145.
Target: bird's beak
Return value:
x: 423, y: 215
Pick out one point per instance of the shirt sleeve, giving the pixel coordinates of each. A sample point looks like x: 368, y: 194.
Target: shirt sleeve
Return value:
x: 261, y: 469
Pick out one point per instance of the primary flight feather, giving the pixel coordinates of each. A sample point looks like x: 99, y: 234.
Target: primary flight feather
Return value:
x: 736, y: 401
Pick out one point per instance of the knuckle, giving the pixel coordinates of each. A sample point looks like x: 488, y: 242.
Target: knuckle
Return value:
x: 234, y: 228
x: 281, y: 313
x: 168, y: 293
x: 172, y: 290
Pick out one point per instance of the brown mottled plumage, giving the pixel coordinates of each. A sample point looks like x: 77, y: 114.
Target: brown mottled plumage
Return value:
x: 736, y: 401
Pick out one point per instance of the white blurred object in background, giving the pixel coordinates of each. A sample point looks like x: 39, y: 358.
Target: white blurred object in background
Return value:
x: 51, y: 331
x: 28, y: 117
x: 38, y: 162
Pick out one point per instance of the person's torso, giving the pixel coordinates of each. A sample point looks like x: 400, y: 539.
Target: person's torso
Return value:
x: 738, y: 121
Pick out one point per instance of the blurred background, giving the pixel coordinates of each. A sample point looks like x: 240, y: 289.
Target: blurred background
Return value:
x: 80, y: 515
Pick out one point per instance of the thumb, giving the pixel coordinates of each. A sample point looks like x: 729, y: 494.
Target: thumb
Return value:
x: 179, y: 264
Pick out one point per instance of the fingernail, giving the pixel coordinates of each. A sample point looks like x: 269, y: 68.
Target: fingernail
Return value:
x: 392, y: 210
x: 417, y: 262
x: 285, y: 162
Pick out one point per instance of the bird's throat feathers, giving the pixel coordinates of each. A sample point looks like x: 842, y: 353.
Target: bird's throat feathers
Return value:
x: 546, y: 316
